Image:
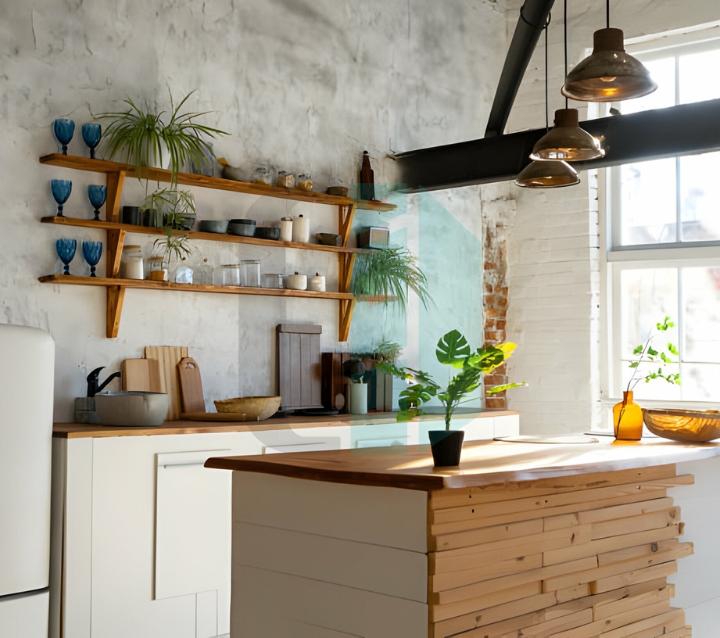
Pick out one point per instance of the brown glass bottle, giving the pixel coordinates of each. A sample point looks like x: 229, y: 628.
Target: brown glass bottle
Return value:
x: 367, y: 179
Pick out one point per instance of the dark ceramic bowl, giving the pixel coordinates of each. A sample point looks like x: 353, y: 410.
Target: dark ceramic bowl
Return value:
x: 267, y: 233
x: 251, y: 222
x: 213, y: 226
x: 242, y: 230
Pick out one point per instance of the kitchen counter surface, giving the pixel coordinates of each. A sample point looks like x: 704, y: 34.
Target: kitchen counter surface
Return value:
x: 78, y: 430
x: 483, y: 463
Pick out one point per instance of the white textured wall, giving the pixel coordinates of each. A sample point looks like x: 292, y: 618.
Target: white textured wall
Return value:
x: 554, y: 275
x: 299, y: 84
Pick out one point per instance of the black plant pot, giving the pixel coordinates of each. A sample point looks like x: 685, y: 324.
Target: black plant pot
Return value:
x: 446, y: 447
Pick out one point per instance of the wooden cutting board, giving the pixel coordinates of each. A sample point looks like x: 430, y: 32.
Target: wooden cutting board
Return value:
x: 168, y: 358
x: 141, y: 375
x: 191, y: 390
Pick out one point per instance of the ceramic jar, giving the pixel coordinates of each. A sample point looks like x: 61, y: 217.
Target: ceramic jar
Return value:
x: 131, y: 265
x: 296, y: 282
x: 317, y: 283
x: 301, y: 230
x: 286, y: 229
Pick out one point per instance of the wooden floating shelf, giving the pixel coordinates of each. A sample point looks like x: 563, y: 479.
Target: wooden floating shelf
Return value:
x: 107, y: 282
x: 189, y: 179
x: 193, y: 234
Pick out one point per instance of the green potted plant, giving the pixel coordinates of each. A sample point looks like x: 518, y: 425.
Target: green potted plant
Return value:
x: 168, y: 248
x: 386, y: 275
x: 176, y: 208
x: 159, y: 138
x: 453, y: 350
x: 628, y: 415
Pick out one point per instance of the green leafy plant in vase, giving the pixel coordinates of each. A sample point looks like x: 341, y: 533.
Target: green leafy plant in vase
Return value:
x: 628, y: 415
x: 170, y: 247
x: 454, y: 351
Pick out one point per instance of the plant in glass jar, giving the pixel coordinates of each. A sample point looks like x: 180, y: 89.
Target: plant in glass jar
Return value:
x: 176, y: 207
x: 169, y: 248
x: 454, y: 351
x: 627, y: 415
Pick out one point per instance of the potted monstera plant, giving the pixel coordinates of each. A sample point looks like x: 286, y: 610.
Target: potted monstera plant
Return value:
x: 454, y: 351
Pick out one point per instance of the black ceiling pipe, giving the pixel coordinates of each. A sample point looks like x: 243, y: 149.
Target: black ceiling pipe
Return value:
x: 532, y: 20
x: 686, y: 129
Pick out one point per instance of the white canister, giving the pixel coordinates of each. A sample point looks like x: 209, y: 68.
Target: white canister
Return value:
x: 131, y: 264
x: 296, y: 282
x: 286, y: 229
x: 358, y: 398
x: 301, y: 230
x: 317, y: 283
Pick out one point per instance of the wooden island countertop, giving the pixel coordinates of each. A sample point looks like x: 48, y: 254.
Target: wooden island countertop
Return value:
x: 482, y: 463
x: 569, y: 540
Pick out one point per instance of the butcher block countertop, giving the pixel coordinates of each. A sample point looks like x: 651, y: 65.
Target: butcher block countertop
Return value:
x: 78, y: 430
x: 483, y: 463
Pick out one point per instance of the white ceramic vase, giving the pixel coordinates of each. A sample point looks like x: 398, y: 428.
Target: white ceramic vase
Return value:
x: 358, y: 398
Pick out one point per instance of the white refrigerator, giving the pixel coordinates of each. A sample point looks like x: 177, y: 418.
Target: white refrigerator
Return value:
x: 27, y: 363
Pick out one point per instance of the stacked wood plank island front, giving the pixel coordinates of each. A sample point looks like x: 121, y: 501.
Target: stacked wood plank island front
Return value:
x: 377, y: 544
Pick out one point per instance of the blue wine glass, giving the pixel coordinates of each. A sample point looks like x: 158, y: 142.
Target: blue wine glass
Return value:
x: 97, y: 195
x: 92, y: 251
x: 64, y: 130
x: 91, y: 134
x: 61, y: 189
x: 66, y: 251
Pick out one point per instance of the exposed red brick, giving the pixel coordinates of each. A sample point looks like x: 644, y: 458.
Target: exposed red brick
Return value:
x: 499, y: 324
x: 495, y: 379
x: 494, y: 312
x: 502, y: 302
x: 490, y: 300
x: 496, y: 402
x: 489, y: 265
x: 488, y: 288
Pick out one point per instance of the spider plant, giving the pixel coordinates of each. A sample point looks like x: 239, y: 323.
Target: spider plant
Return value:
x: 173, y: 247
x: 149, y: 137
x: 176, y: 206
x: 389, y: 273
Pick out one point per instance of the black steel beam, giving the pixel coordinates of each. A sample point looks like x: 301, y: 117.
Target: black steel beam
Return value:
x: 533, y: 16
x: 687, y: 129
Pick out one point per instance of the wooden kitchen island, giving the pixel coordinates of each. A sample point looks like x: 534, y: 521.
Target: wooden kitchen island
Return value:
x: 523, y: 539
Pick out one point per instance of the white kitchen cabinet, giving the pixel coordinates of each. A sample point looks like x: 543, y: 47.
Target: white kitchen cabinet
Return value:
x: 141, y: 528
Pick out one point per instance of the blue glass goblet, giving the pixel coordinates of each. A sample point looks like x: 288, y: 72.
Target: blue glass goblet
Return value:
x: 64, y: 131
x: 91, y: 134
x: 66, y: 251
x: 92, y: 251
x: 61, y: 189
x: 97, y: 195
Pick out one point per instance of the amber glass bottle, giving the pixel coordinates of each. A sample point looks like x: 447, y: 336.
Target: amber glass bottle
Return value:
x: 628, y: 419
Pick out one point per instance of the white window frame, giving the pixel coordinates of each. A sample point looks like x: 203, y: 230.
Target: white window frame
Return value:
x: 615, y: 258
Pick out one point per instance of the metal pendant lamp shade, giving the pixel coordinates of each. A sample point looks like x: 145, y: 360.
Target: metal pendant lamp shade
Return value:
x: 547, y: 174
x: 609, y: 74
x: 567, y: 141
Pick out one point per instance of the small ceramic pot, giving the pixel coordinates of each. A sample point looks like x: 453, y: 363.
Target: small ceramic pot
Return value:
x: 296, y: 282
x: 358, y: 398
x: 446, y: 447
x: 317, y: 283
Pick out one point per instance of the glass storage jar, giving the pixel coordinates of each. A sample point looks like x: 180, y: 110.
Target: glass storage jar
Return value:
x: 157, y: 269
x: 285, y: 180
x: 250, y: 276
x: 227, y: 275
x: 304, y: 182
x: 262, y: 176
x: 131, y: 264
x: 273, y: 280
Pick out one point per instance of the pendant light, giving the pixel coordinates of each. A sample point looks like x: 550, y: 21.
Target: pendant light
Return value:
x: 609, y: 74
x: 547, y: 173
x: 567, y: 141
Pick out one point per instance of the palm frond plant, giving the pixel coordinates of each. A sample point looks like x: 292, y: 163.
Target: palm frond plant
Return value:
x: 149, y: 137
x: 173, y: 247
x: 388, y: 274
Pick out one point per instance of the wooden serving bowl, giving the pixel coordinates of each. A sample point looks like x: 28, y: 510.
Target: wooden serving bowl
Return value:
x: 684, y: 425
x: 249, y: 408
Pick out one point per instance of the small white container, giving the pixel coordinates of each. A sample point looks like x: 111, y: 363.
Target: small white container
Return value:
x: 184, y: 275
x: 296, y: 282
x: 317, y: 283
x: 301, y: 230
x: 286, y: 229
x: 131, y: 265
x: 358, y: 398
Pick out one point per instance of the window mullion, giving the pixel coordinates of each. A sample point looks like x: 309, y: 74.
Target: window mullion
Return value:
x: 678, y: 195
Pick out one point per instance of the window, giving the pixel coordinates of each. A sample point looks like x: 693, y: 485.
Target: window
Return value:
x: 663, y: 237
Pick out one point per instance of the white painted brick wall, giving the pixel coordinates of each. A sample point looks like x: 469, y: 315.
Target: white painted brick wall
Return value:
x: 554, y: 275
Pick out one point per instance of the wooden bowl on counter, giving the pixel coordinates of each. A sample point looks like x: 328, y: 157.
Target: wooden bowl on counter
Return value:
x: 690, y: 426
x: 249, y: 408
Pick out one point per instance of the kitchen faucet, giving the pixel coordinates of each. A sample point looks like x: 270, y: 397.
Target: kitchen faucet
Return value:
x: 93, y: 381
